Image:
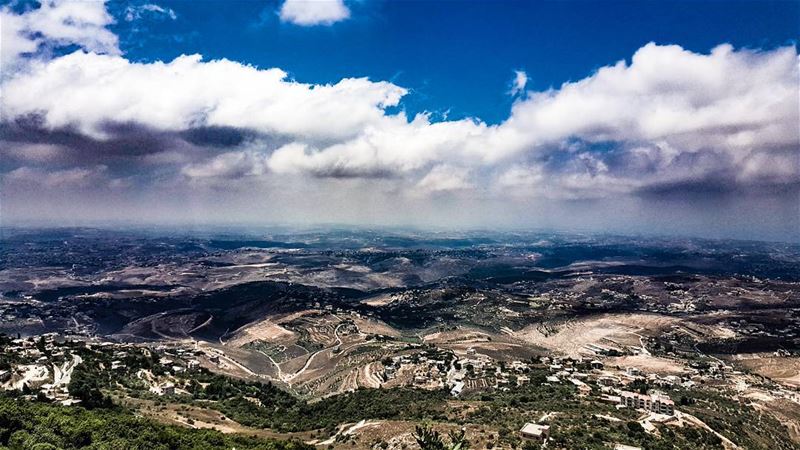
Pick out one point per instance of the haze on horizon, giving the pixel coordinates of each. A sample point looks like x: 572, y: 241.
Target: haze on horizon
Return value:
x: 621, y: 117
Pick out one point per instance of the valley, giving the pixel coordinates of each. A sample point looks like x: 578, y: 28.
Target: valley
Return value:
x: 327, y: 340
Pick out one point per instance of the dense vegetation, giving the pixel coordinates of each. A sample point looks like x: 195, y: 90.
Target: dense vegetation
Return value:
x: 26, y: 425
x: 85, y: 386
x: 263, y: 405
x: 256, y: 404
x: 430, y: 439
x: 577, y: 422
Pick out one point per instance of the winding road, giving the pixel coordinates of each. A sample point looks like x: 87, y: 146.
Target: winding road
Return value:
x: 291, y: 377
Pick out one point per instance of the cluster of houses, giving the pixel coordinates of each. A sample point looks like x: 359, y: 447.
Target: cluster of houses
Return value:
x: 437, y: 369
x: 475, y: 371
x: 42, y: 367
x: 426, y: 370
x: 35, y: 350
x: 566, y: 370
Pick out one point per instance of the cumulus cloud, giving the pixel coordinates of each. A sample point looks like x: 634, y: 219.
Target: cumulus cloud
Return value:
x: 56, y: 23
x: 393, y: 146
x: 687, y: 115
x: 668, y: 116
x: 88, y: 90
x: 666, y: 120
x: 313, y: 12
x: 667, y: 92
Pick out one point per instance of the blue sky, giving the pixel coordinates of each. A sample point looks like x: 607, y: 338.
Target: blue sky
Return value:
x: 662, y: 117
x: 457, y: 56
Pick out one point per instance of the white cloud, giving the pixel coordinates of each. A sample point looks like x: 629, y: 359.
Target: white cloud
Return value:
x: 444, y: 178
x: 14, y: 40
x: 229, y: 165
x: 519, y: 83
x: 313, y: 12
x: 87, y: 90
x: 670, y: 116
x: 522, y: 177
x: 392, y: 146
x: 658, y: 111
x: 56, y: 23
x: 137, y: 12
x: 666, y: 106
x: 670, y: 93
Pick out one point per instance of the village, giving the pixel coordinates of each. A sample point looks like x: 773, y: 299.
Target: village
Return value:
x: 41, y: 367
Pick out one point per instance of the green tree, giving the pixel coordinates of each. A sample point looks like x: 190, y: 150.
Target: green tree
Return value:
x: 429, y: 439
x: 86, y: 387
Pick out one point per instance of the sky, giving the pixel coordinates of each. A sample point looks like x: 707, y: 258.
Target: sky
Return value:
x: 641, y: 117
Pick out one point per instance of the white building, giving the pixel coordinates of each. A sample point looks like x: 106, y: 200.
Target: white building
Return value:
x: 657, y: 403
x: 535, y: 431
